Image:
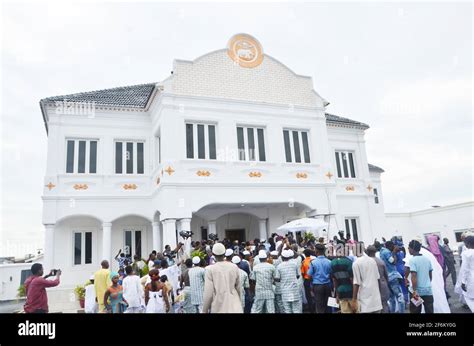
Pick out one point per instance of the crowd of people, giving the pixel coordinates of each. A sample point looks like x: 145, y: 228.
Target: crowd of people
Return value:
x: 279, y: 275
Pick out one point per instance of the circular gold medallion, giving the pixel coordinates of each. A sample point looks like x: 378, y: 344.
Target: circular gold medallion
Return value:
x: 245, y: 50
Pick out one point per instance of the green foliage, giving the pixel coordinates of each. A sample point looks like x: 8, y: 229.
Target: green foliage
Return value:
x: 80, y: 292
x: 201, y: 254
x: 308, y: 236
x: 21, y: 291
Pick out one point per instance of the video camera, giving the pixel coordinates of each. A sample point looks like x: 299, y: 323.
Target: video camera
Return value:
x: 213, y: 237
x: 186, y: 234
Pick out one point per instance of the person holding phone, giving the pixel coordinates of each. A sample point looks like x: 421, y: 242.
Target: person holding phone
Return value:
x: 35, y: 285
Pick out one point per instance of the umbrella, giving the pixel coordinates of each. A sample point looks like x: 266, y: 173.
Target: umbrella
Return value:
x: 304, y: 224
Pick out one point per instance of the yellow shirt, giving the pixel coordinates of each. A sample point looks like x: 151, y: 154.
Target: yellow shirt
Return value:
x: 101, y: 283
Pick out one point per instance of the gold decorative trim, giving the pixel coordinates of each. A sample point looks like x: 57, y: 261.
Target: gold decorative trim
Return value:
x: 245, y: 50
x: 130, y: 186
x: 203, y: 173
x: 329, y: 175
x: 255, y: 174
x: 301, y: 175
x: 350, y: 188
x: 80, y: 186
x: 50, y: 186
x: 370, y: 188
x: 169, y: 170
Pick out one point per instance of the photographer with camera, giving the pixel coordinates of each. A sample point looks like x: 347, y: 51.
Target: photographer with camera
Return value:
x: 35, y: 286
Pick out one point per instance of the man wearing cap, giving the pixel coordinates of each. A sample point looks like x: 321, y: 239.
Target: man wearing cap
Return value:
x: 287, y: 275
x: 229, y: 253
x: 263, y: 274
x: 222, y: 285
x: 196, y: 283
x: 244, y: 281
x: 244, y: 263
x: 90, y: 301
x: 278, y: 302
x: 320, y: 273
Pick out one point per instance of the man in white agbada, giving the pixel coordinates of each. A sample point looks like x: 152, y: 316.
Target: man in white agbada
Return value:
x: 90, y: 303
x: 440, y: 302
x: 465, y: 284
x: 133, y: 292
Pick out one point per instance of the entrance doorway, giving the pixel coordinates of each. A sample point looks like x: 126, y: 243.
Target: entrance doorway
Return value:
x: 235, y: 234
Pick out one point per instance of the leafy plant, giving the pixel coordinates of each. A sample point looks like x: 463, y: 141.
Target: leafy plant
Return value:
x: 308, y: 236
x: 21, y: 291
x: 201, y: 254
x: 80, y: 292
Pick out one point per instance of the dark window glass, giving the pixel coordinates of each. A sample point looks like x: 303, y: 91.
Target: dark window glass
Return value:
x: 351, y: 165
x: 201, y: 142
x: 296, y: 145
x: 203, y: 233
x: 240, y: 145
x: 77, y: 248
x: 261, y: 145
x: 140, y: 160
x: 304, y: 136
x: 25, y: 273
x: 189, y: 141
x: 118, y: 157
x: 355, y: 236
x: 286, y: 139
x: 88, y: 246
x: 138, y: 243
x: 70, y: 157
x: 338, y: 164
x: 344, y: 165
x: 129, y: 157
x: 159, y: 149
x: 93, y: 157
x: 376, y: 194
x: 212, y: 142
x: 128, y: 242
x: 251, y: 143
x: 81, y: 167
x: 348, y: 228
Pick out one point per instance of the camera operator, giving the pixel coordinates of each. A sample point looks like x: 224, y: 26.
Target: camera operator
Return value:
x: 35, y: 285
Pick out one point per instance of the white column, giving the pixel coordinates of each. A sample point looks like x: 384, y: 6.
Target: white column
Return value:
x: 262, y: 226
x: 157, y: 245
x: 48, y: 263
x: 185, y: 225
x: 107, y: 242
x: 169, y: 233
x: 211, y: 227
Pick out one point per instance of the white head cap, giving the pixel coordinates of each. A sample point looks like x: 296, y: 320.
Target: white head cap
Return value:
x: 262, y: 254
x: 236, y: 259
x: 245, y: 253
x: 274, y: 253
x: 229, y: 252
x: 92, y: 277
x: 218, y: 249
x: 287, y: 253
x: 196, y: 260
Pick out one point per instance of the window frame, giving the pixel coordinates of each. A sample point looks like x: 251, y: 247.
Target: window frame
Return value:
x: 300, y: 144
x: 87, y: 156
x: 83, y: 232
x: 345, y: 165
x: 134, y: 155
x: 350, y: 219
x: 195, y: 140
x: 246, y: 129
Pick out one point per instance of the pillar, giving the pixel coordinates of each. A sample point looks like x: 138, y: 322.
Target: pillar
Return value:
x: 185, y: 225
x: 157, y: 244
x: 48, y: 263
x: 262, y: 226
x: 107, y: 242
x: 169, y: 233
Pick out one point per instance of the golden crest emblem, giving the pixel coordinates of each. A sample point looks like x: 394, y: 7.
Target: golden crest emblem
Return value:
x: 245, y: 50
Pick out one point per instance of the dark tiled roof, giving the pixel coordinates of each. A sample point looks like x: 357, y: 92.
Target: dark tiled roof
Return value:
x: 133, y: 96
x: 375, y: 168
x: 337, y: 120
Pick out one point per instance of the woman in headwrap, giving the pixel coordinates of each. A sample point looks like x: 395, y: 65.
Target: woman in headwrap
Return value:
x: 433, y: 246
x: 156, y: 294
x: 115, y: 292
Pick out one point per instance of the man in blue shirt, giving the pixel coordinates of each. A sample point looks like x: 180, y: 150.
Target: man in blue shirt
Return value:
x: 320, y: 273
x: 421, y: 276
x: 388, y: 254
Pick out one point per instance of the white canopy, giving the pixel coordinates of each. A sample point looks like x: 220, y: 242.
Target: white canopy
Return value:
x: 304, y: 224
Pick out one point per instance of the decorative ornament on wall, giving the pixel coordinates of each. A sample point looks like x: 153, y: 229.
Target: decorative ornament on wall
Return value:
x: 255, y: 174
x: 169, y: 170
x: 80, y: 186
x: 50, y: 186
x: 301, y: 175
x: 203, y: 173
x: 370, y: 188
x: 350, y: 188
x: 245, y: 50
x: 130, y: 186
x: 329, y: 175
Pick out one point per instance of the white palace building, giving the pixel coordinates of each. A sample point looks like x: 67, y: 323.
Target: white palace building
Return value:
x: 233, y: 143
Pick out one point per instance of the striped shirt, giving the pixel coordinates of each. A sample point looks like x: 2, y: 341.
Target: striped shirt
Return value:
x: 196, y: 283
x: 263, y: 274
x: 288, y: 273
x: 244, y: 283
x: 276, y: 262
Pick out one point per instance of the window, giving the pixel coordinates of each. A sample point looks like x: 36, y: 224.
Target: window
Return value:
x: 459, y: 232
x: 345, y: 164
x: 351, y: 228
x: 296, y: 146
x: 376, y: 196
x: 251, y: 144
x: 81, y: 156
x: 200, y: 141
x: 129, y: 157
x: 133, y: 243
x: 82, y: 248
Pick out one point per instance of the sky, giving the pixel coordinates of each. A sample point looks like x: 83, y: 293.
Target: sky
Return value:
x: 403, y: 68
